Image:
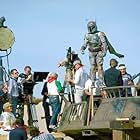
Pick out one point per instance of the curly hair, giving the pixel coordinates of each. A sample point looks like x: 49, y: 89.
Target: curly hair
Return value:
x: 34, y: 131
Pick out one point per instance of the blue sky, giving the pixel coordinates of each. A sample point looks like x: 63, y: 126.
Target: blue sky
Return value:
x: 44, y: 29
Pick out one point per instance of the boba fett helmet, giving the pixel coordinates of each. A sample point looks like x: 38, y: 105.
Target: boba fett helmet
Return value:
x: 92, y: 27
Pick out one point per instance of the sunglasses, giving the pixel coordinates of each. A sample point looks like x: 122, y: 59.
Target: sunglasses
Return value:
x: 16, y: 73
x: 9, y: 106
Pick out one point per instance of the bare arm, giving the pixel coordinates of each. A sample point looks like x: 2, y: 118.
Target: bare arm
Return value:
x: 87, y: 92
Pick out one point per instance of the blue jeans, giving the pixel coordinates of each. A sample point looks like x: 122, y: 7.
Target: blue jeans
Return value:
x: 55, y: 104
x: 14, y: 102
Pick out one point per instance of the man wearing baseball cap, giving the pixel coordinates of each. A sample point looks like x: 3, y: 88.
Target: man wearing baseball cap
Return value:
x: 79, y: 80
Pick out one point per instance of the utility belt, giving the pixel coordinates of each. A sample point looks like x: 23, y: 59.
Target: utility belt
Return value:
x: 60, y: 94
x: 95, y: 49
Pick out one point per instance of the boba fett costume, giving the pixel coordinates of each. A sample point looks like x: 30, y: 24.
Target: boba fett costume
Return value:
x: 97, y: 44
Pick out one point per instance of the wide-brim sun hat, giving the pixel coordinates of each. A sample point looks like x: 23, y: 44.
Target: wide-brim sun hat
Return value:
x: 77, y: 62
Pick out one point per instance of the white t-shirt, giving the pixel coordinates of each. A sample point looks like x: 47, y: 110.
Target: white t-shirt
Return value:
x: 80, y: 78
x: 96, y: 89
x: 8, y: 119
x: 88, y: 85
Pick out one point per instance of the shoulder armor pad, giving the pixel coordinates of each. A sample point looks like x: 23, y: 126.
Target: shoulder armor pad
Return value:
x: 101, y: 34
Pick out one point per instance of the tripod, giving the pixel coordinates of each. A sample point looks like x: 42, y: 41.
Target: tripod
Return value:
x: 27, y: 90
x: 68, y: 86
x: 70, y: 90
x: 32, y: 113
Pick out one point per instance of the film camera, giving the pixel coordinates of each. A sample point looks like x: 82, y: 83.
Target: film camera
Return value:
x: 26, y: 88
x: 37, y: 77
x: 71, y: 57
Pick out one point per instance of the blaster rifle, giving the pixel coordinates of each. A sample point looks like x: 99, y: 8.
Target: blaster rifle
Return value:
x: 135, y: 76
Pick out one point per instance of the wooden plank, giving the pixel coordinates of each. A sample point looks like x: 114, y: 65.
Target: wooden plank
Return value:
x: 117, y: 135
x: 3, y: 137
x: 121, y: 135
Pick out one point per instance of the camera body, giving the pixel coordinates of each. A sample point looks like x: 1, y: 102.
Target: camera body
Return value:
x: 71, y: 57
x: 28, y: 87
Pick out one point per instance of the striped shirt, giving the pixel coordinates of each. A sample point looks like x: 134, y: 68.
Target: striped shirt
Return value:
x: 44, y: 136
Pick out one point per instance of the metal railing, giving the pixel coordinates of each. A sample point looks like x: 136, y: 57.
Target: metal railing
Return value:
x: 80, y: 111
x: 77, y: 111
x: 120, y: 91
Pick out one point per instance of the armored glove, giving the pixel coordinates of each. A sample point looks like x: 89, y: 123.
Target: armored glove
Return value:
x: 83, y: 49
